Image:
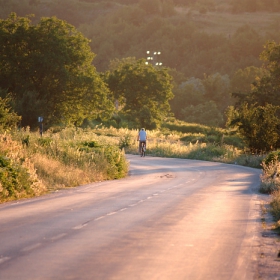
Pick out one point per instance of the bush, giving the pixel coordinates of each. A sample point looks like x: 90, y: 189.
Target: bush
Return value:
x: 272, y: 157
x: 275, y: 205
x: 270, y: 180
x: 116, y: 159
x: 15, y: 181
x: 18, y: 178
x: 234, y: 140
x: 125, y: 141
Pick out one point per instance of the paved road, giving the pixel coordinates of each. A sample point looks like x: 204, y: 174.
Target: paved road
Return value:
x: 170, y: 219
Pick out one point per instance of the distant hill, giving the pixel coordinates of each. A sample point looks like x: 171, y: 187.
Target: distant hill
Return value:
x: 194, y: 37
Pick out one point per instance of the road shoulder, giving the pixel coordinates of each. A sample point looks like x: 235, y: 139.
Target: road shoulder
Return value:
x: 268, y: 262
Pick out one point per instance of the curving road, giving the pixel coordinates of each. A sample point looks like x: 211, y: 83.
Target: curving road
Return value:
x: 170, y: 219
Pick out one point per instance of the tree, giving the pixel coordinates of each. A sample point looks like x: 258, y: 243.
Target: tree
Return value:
x: 259, y: 125
x: 266, y: 87
x: 256, y: 113
x: 242, y: 80
x: 141, y: 88
x: 48, y: 69
x: 8, y: 118
x: 205, y: 113
x: 189, y: 93
x: 217, y: 89
x: 203, y: 101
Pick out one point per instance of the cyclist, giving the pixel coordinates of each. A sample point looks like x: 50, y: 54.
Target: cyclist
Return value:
x: 142, y: 137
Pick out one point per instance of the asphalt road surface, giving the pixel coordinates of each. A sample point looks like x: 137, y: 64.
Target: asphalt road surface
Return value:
x: 169, y: 219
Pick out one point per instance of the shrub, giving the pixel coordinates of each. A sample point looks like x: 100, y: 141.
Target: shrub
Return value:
x: 125, y: 141
x: 44, y: 142
x: 275, y: 205
x: 272, y: 157
x: 270, y: 180
x: 18, y: 178
x: 15, y: 181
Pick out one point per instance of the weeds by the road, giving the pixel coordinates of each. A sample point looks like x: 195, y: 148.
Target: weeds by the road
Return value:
x: 18, y: 177
x: 32, y: 165
x: 270, y: 184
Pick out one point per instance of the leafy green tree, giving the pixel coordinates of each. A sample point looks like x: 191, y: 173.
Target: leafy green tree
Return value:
x: 259, y: 125
x: 242, y: 80
x: 205, y: 113
x: 203, y: 100
x: 257, y: 112
x: 48, y: 69
x: 141, y: 88
x: 217, y: 89
x: 266, y: 87
x: 189, y: 93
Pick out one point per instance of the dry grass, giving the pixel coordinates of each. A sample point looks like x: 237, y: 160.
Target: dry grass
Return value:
x: 57, y: 175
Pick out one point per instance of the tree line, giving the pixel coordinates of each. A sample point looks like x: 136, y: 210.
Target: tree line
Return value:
x: 47, y: 71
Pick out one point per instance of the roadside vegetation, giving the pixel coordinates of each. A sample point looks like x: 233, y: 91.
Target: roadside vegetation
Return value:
x: 71, y: 157
x: 270, y: 183
x: 68, y: 157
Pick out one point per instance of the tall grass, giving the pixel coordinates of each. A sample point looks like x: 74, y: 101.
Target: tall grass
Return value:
x: 72, y: 156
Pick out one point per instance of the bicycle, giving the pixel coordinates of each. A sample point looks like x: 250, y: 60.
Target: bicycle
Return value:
x: 143, y: 149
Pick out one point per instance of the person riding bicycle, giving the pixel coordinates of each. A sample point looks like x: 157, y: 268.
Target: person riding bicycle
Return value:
x: 142, y: 137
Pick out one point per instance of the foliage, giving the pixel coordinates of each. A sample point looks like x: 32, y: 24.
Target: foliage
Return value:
x: 257, y: 111
x: 18, y: 178
x: 272, y: 158
x: 242, y: 80
x: 185, y: 127
x: 275, y: 207
x: 265, y: 89
x: 61, y: 84
x: 270, y: 178
x: 14, y: 180
x: 258, y: 125
x: 125, y: 141
x: 205, y: 113
x: 143, y: 91
x: 8, y: 119
x: 71, y: 157
x: 203, y: 100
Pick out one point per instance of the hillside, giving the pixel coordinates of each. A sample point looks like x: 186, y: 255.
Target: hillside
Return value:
x: 199, y: 37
